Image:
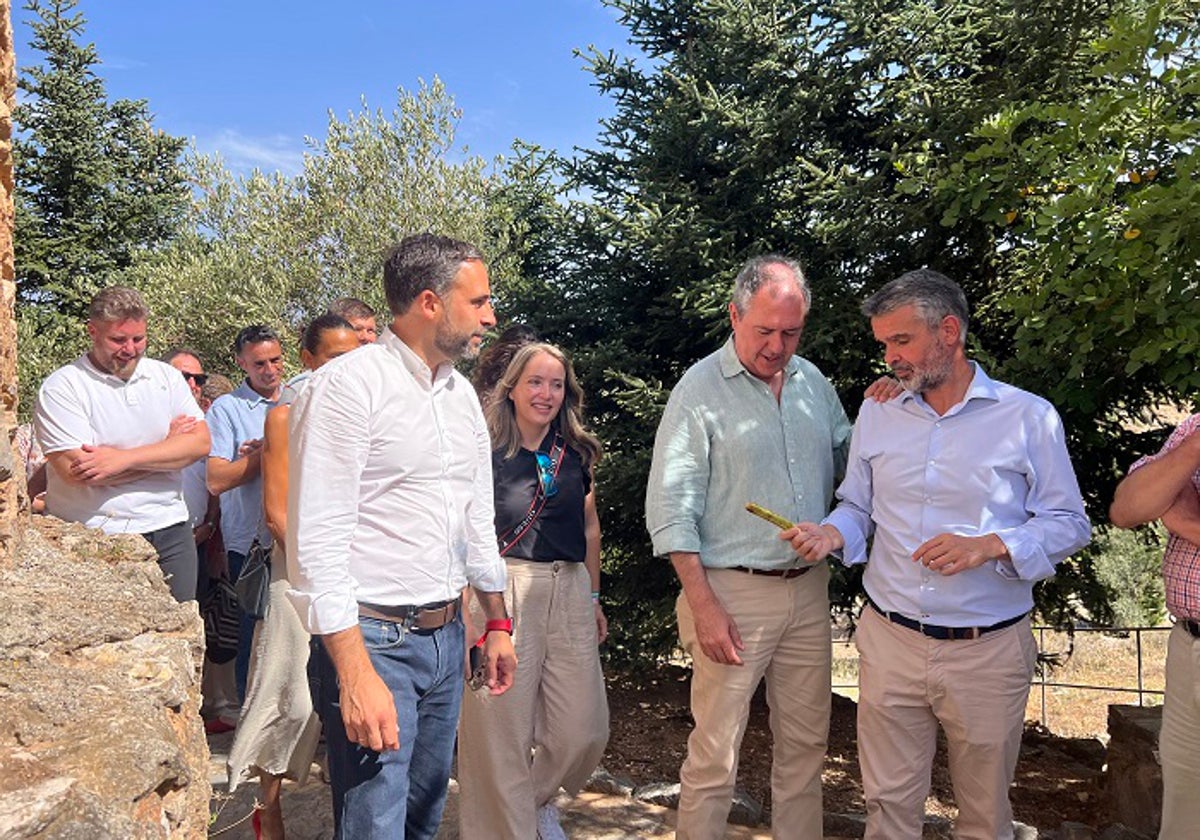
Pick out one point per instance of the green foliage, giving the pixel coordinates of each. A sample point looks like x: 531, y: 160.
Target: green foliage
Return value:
x: 96, y: 184
x: 866, y: 140
x: 97, y: 188
x: 272, y: 249
x: 1129, y: 565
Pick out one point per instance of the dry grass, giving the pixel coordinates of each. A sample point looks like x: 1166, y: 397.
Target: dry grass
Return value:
x: 1098, y: 658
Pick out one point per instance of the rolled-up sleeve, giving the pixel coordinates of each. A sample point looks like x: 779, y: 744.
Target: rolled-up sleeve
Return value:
x: 677, y: 490
x: 327, y: 451
x: 486, y: 571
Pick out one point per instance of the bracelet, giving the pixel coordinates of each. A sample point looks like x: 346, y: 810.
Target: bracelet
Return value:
x: 595, y: 597
x: 504, y: 625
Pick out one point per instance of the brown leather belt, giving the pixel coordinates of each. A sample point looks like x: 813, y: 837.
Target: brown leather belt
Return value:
x: 786, y: 574
x: 424, y: 617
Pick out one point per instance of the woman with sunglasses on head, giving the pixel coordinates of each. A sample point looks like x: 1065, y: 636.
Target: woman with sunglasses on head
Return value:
x: 516, y: 750
x: 277, y: 732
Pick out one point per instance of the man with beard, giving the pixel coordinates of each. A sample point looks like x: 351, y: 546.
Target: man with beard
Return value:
x: 234, y: 460
x: 390, y: 517
x: 966, y: 486
x: 117, y: 429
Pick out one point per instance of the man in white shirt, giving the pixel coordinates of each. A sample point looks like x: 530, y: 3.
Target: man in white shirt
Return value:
x: 117, y: 429
x: 390, y: 517
x: 966, y: 486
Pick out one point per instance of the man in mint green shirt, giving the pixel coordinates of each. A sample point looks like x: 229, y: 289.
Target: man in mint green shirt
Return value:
x: 752, y: 422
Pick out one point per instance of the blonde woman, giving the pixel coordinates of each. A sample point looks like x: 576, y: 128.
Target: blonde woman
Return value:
x: 516, y: 750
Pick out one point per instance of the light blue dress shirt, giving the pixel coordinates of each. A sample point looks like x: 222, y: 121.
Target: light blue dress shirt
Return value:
x: 232, y: 420
x: 724, y: 441
x: 994, y: 463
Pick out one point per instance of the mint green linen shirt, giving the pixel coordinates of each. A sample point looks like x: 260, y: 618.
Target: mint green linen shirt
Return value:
x: 724, y: 441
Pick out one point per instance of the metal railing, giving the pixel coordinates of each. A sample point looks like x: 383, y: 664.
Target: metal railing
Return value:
x: 1048, y: 661
x: 1047, y: 667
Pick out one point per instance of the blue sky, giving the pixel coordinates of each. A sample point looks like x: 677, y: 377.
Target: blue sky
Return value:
x: 250, y: 79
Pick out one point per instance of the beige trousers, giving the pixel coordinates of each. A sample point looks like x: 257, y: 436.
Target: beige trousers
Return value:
x: 975, y: 688
x: 1179, y: 740
x: 784, y: 625
x: 549, y: 730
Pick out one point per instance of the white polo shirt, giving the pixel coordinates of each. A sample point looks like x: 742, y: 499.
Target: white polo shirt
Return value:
x: 80, y: 404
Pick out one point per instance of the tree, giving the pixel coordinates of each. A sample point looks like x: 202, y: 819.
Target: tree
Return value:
x: 824, y: 130
x: 275, y: 250
x: 97, y: 185
x: 97, y: 189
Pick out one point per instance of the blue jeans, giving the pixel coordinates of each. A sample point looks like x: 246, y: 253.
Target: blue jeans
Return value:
x: 241, y: 668
x: 399, y: 793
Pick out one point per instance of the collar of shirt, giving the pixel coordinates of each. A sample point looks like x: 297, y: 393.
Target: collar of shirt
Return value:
x: 982, y: 387
x: 138, y: 372
x: 247, y: 393
x: 731, y: 365
x: 414, y: 364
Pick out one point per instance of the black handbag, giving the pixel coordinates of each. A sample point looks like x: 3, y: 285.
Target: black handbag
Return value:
x: 254, y: 583
x: 222, y: 620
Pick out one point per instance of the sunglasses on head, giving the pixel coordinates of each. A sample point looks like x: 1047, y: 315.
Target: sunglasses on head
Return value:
x: 198, y: 378
x: 545, y: 468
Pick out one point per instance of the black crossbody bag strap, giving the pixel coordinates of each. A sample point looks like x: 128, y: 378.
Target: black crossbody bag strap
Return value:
x: 513, y: 535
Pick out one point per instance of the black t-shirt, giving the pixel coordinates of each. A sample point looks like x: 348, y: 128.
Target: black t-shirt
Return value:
x: 557, y: 533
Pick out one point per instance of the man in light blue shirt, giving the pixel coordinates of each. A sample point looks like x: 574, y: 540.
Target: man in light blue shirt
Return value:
x: 752, y: 422
x: 236, y: 421
x: 966, y: 487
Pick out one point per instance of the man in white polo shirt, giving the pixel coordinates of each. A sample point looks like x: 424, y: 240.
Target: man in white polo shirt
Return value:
x: 117, y: 429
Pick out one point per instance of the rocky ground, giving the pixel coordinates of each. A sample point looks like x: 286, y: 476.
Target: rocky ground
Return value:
x: 1058, y: 781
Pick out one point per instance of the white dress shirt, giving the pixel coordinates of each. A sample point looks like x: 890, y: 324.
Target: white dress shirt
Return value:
x: 390, y: 488
x: 994, y: 463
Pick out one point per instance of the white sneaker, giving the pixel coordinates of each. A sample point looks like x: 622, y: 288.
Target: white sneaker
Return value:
x: 547, y: 823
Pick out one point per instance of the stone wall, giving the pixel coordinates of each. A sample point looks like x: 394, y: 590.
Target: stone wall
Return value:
x: 100, y: 731
x: 12, y: 477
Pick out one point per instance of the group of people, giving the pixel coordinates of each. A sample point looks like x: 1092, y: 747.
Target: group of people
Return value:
x: 410, y: 523
x: 439, y: 544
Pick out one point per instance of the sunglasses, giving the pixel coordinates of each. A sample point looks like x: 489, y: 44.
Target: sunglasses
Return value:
x: 545, y: 468
x: 198, y: 378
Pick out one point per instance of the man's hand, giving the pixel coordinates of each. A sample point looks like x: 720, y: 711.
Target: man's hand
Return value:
x: 717, y: 634
x: 949, y: 554
x: 1183, y: 517
x: 501, y: 661
x: 369, y: 713
x: 601, y: 624
x: 250, y: 447
x: 99, y: 464
x: 182, y: 425
x: 883, y: 389
x: 813, y: 542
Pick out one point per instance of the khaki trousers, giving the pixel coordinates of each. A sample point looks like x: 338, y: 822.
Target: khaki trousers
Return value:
x: 784, y: 625
x: 549, y: 730
x: 975, y: 688
x: 1179, y: 740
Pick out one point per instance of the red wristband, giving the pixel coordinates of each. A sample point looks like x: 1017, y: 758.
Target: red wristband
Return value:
x: 502, y: 624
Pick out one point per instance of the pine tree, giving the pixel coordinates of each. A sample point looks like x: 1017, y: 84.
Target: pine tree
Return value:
x: 96, y: 185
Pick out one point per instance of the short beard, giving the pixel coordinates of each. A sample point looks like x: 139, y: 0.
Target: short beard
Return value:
x: 454, y: 345
x: 932, y: 375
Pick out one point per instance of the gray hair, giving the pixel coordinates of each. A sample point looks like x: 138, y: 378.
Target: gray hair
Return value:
x: 118, y: 303
x: 754, y: 276
x: 933, y: 294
